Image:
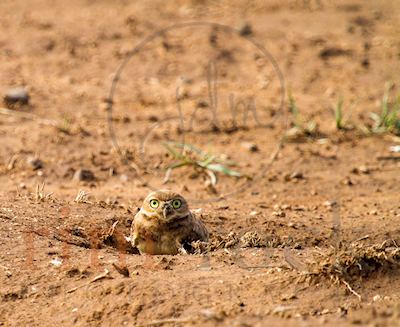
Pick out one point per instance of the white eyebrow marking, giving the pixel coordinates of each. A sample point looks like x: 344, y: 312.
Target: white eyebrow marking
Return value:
x: 148, y: 214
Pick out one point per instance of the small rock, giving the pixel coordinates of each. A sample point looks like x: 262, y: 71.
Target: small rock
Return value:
x: 208, y: 313
x: 377, y: 298
x: 35, y: 163
x: 330, y: 203
x: 17, y: 95
x: 278, y: 214
x: 395, y: 148
x: 347, y: 181
x: 245, y: 29
x: 254, y: 213
x: 297, y: 175
x: 124, y: 178
x: 56, y: 262
x: 289, y: 296
x: 361, y: 170
x: 252, y: 147
x: 84, y: 175
x: 364, y: 169
x: 282, y: 308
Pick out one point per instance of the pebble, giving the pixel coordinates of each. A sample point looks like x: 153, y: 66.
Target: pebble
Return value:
x: 361, y: 170
x: 35, y: 163
x: 377, y: 298
x: 297, y: 175
x: 56, y: 262
x: 83, y: 175
x: 16, y: 95
x: 252, y: 147
x: 330, y: 203
x: 124, y: 178
x: 278, y: 214
x: 245, y: 29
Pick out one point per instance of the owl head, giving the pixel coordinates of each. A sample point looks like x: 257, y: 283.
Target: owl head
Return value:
x: 166, y: 205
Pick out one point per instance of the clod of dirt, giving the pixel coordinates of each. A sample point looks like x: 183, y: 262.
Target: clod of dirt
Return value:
x: 245, y: 30
x: 347, y: 181
x: 334, y: 52
x: 35, y: 163
x: 84, y: 175
x: 362, y: 21
x: 361, y: 170
x: 294, y: 176
x: 15, y: 295
x: 365, y: 62
x: 73, y: 272
x: 165, y: 263
x: 17, y: 95
x: 123, y: 270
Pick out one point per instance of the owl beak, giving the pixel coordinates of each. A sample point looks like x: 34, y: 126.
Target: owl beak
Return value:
x: 167, y: 210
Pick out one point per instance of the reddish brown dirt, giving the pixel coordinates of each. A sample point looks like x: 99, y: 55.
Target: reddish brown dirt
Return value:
x: 66, y: 54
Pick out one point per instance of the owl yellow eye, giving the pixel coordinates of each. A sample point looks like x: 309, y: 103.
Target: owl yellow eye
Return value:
x: 154, y: 203
x: 176, y: 203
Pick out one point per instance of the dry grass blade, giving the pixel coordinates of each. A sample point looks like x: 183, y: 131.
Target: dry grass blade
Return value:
x: 12, y: 162
x: 351, y: 289
x: 82, y: 197
x: 40, y: 195
x: 293, y: 262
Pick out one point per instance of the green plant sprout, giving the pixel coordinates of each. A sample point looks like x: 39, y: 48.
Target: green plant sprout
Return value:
x: 341, y: 122
x: 388, y: 120
x: 300, y: 127
x: 189, y: 155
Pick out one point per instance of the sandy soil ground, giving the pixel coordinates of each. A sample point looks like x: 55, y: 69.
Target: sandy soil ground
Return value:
x: 309, y: 236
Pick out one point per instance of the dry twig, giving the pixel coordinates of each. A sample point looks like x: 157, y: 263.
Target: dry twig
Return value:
x: 95, y: 279
x: 30, y: 116
x: 166, y: 321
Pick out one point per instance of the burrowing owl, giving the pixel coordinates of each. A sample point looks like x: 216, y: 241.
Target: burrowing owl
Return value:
x: 164, y: 224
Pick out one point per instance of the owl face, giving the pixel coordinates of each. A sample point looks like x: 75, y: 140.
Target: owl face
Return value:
x: 166, y: 205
